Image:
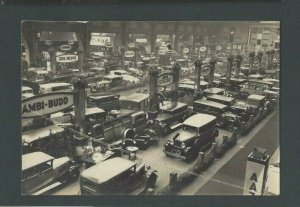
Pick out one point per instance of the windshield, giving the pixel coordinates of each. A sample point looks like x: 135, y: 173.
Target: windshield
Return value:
x: 129, y: 105
x: 189, y: 128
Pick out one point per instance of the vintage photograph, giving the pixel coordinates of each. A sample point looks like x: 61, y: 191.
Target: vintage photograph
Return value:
x: 150, y: 108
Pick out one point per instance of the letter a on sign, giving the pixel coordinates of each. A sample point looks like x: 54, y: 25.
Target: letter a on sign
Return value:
x: 254, y: 177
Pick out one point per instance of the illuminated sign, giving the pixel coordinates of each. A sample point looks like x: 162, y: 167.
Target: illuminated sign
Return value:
x: 66, y: 58
x: 46, y: 104
x: 131, y: 45
x: 202, y: 49
x: 65, y: 47
x: 99, y: 40
x: 108, y: 44
x: 186, y: 50
x: 165, y: 79
x: 129, y: 54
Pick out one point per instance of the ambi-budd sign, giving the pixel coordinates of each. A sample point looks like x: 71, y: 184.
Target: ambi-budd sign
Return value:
x: 45, y: 104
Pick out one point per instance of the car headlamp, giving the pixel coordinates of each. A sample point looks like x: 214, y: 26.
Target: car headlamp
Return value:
x: 183, y: 145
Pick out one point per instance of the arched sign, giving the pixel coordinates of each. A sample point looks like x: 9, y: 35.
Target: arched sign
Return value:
x: 65, y: 47
x: 165, y: 79
x: 108, y: 44
x: 186, y: 50
x: 46, y: 104
x: 202, y: 49
x: 131, y: 45
x: 66, y: 58
x: 205, y: 71
x: 129, y: 54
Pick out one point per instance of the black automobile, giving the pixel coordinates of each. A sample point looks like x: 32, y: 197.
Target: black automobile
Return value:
x: 170, y: 117
x: 228, y: 121
x: 198, y: 133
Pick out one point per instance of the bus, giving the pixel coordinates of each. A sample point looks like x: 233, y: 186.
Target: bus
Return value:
x: 228, y: 101
x: 209, y: 107
x: 106, y: 102
x: 56, y: 87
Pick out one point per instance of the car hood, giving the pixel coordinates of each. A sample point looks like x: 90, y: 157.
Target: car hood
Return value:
x: 185, y: 135
x: 162, y: 117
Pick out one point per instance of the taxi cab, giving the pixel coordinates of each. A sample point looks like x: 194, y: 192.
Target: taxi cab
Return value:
x: 42, y: 172
x: 117, y: 176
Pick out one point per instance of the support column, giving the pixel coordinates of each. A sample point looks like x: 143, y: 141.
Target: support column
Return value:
x: 176, y: 70
x: 259, y: 56
x: 198, y: 65
x: 153, y: 73
x: 212, y: 72
x: 123, y: 42
x: 238, y: 65
x: 79, y: 103
x: 228, y: 72
x: 251, y: 59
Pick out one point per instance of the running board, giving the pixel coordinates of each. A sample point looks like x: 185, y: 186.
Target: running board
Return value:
x: 48, y: 188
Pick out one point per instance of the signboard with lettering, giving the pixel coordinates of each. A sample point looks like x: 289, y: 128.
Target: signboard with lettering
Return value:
x: 99, y: 40
x: 186, y: 50
x: 165, y: 79
x: 131, y: 45
x: 108, y: 44
x: 129, y: 54
x: 255, y: 176
x: 66, y: 58
x: 202, y: 49
x: 218, y: 48
x: 65, y: 47
x: 46, y: 104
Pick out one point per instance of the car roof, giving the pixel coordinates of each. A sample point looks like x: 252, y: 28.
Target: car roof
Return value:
x: 24, y: 88
x: 110, y: 76
x: 97, y: 97
x: 92, y: 110
x: 211, y: 103
x: 199, y: 120
x: 135, y: 97
x: 107, y: 170
x: 120, y: 71
x: 50, y: 85
x: 35, y: 158
x: 220, y: 97
x: 168, y: 106
x: 256, y: 97
x: 40, y: 133
x: 214, y: 90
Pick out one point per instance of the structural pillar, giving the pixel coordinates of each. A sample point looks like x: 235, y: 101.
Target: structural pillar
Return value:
x: 212, y: 72
x: 79, y: 102
x: 228, y: 72
x: 251, y: 61
x: 239, y: 59
x: 153, y: 73
x: 198, y: 65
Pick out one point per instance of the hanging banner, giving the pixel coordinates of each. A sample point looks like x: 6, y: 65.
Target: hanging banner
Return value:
x: 66, y: 58
x: 46, y: 104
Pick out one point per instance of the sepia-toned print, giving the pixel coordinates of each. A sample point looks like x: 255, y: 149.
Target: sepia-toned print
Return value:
x: 150, y: 108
